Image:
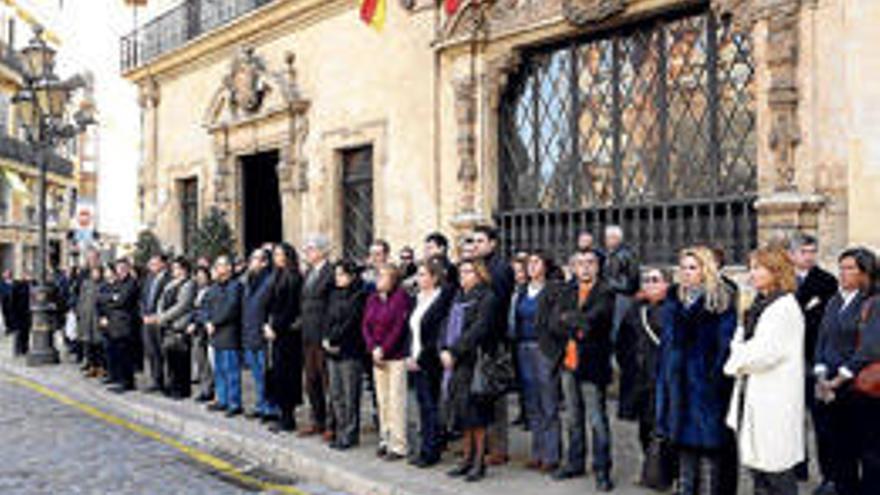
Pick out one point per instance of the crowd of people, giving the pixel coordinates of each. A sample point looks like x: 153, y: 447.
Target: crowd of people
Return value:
x: 715, y: 383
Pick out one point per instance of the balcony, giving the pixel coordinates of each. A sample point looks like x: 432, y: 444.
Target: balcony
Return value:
x: 21, y: 152
x: 10, y: 59
x: 178, y: 26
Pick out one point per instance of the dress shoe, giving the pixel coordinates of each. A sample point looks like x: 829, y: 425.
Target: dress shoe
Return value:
x: 234, y: 412
x: 253, y: 415
x: 393, y: 457
x: 567, y: 474
x: 534, y: 465
x: 381, y: 451
x: 549, y: 468
x: 215, y: 407
x: 153, y: 389
x: 203, y: 398
x: 309, y: 431
x: 106, y: 380
x: 476, y: 473
x: 460, y: 470
x: 826, y: 488
x: 497, y: 459
x: 604, y: 483
x: 425, y: 462
x: 328, y: 436
x: 118, y: 389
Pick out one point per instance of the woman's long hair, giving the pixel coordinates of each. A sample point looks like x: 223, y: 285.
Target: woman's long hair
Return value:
x: 717, y: 295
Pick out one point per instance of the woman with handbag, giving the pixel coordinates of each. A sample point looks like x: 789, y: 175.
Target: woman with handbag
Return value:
x: 837, y: 412
x: 692, y: 393
x: 766, y: 359
x: 866, y: 366
x: 637, y: 350
x: 386, y: 335
x: 468, y: 331
x: 173, y: 316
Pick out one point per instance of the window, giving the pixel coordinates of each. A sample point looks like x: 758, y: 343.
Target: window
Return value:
x: 189, y: 211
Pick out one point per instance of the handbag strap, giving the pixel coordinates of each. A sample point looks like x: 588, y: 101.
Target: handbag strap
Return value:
x: 647, y: 327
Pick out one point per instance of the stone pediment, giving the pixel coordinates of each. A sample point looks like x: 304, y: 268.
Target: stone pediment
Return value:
x: 250, y: 92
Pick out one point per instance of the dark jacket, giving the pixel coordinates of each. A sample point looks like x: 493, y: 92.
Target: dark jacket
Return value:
x: 119, y: 304
x: 590, y: 325
x: 839, y: 335
x: 254, y: 305
x: 813, y: 294
x: 149, y: 304
x: 502, y: 288
x: 430, y: 329
x: 638, y: 350
x: 868, y: 350
x: 477, y: 332
x: 692, y: 394
x: 315, y: 298
x: 344, y: 316
x: 225, y: 315
x: 622, y: 272
x: 385, y: 325
x: 284, y: 357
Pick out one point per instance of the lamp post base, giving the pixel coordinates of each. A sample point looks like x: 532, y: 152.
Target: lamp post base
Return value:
x: 42, y: 350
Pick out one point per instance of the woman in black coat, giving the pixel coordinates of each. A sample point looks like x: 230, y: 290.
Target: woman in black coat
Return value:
x: 469, y: 328
x: 346, y: 351
x: 284, y: 340
x: 425, y: 321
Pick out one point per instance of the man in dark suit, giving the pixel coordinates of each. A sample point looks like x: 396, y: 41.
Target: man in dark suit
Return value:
x: 585, y: 316
x: 154, y: 284
x: 815, y: 287
x: 120, y: 313
x: 486, y: 248
x: 318, y: 285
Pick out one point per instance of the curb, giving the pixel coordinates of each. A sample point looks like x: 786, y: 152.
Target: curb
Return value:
x: 310, y: 463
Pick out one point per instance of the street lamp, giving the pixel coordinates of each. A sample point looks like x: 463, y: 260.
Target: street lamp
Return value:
x: 41, y: 106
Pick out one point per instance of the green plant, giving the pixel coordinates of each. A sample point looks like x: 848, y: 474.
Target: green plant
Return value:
x: 213, y: 237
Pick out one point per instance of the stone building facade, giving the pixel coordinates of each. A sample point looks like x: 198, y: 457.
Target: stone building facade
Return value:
x: 723, y: 121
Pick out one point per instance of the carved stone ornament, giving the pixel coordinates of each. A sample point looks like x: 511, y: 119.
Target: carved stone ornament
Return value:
x: 585, y: 12
x: 245, y: 82
x: 148, y: 93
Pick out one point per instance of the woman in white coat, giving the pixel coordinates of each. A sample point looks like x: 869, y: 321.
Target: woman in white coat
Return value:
x: 767, y: 407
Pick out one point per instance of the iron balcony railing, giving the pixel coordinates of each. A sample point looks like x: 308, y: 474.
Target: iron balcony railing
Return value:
x: 179, y: 25
x: 10, y: 59
x: 21, y: 152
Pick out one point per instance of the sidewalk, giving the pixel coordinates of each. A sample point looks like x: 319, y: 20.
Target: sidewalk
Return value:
x: 356, y: 471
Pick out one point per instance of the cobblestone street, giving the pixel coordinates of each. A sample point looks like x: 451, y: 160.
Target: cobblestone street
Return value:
x: 52, y: 448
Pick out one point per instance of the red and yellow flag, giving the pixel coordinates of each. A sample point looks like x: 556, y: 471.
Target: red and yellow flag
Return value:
x: 373, y: 13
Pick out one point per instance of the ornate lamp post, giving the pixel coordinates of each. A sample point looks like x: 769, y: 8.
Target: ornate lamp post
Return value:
x: 41, y: 106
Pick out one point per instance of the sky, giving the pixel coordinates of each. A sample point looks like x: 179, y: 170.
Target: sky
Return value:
x: 89, y: 31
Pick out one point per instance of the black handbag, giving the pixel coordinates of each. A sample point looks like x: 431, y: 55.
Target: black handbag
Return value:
x: 175, y: 342
x: 493, y: 375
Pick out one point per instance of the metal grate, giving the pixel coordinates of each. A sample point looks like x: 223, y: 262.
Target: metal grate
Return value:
x: 177, y: 26
x: 650, y: 126
x: 357, y: 202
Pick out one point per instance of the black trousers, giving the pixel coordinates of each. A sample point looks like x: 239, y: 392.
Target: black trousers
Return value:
x: 21, y: 341
x: 316, y: 383
x: 784, y: 483
x: 152, y: 337
x: 869, y: 453
x: 698, y: 472
x: 837, y: 429
x: 120, y: 361
x: 179, y: 371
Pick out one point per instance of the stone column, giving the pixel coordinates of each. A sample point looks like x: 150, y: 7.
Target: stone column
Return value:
x: 148, y: 100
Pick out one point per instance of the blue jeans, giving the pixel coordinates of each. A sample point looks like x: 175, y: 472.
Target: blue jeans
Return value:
x: 585, y: 400
x: 541, y: 397
x: 227, y: 378
x: 255, y: 359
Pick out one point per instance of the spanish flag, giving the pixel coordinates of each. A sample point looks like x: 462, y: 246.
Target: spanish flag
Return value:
x: 373, y: 13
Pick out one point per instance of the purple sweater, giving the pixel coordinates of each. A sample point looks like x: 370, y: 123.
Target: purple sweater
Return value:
x: 385, y: 325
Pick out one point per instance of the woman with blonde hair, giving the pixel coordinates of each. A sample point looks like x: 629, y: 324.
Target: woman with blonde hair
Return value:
x: 766, y: 358
x: 692, y: 394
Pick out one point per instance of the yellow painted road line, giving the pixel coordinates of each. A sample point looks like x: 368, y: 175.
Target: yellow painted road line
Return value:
x: 221, y: 466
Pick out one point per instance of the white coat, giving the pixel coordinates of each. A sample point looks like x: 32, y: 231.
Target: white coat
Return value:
x: 771, y: 436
